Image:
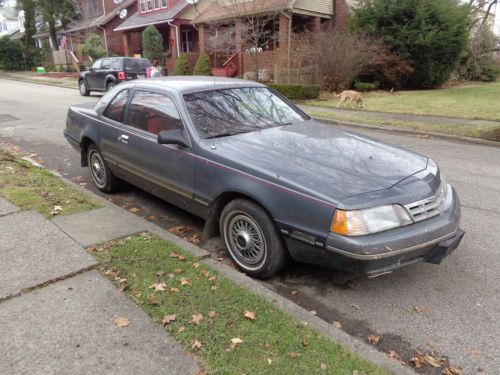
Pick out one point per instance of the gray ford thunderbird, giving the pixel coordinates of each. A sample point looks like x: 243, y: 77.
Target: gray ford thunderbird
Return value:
x: 274, y: 182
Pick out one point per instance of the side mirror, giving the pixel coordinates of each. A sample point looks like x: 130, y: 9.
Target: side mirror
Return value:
x: 172, y: 137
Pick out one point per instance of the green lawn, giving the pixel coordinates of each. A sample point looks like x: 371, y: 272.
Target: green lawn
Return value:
x: 33, y: 188
x: 205, y: 312
x: 479, y: 101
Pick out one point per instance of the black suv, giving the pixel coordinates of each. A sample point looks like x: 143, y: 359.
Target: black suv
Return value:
x: 110, y: 71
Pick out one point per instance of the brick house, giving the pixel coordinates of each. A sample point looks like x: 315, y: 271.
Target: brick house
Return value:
x: 281, y: 18
x: 174, y: 20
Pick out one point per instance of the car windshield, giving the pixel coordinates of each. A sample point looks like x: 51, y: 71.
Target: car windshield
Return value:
x: 220, y: 113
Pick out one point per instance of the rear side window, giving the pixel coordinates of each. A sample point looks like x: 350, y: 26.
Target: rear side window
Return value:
x: 136, y: 65
x: 117, y: 106
x: 116, y: 64
x: 153, y: 112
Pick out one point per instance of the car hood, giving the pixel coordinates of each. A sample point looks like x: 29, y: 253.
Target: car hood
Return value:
x: 319, y: 159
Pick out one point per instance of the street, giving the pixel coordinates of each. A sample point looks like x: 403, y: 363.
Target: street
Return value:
x: 452, y: 309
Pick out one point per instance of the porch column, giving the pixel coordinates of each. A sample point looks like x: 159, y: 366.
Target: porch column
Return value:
x: 126, y: 38
x: 317, y: 24
x: 285, y: 37
x: 173, y: 40
x: 238, y: 25
x: 201, y: 38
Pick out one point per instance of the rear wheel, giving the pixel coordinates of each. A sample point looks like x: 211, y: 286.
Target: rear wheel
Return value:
x: 100, y: 172
x: 252, y: 239
x: 110, y: 85
x: 83, y: 87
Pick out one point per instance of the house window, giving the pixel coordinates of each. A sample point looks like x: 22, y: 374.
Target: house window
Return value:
x: 92, y: 8
x: 151, y: 5
x: 186, y: 41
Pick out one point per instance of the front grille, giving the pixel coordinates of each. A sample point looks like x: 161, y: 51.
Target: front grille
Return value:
x: 429, y: 207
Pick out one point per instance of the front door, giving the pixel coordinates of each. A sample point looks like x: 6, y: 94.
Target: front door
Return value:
x: 92, y: 75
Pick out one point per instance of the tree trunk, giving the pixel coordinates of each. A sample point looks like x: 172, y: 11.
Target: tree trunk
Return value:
x: 53, y: 35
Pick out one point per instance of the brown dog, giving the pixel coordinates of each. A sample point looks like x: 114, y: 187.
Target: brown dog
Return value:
x: 352, y: 97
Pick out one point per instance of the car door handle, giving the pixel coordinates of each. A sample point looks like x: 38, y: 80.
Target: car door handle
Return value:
x: 123, y: 138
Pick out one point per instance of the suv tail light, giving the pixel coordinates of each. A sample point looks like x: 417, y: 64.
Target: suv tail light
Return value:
x: 121, y: 76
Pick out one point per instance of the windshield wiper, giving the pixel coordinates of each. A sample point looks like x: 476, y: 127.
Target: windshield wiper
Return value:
x: 222, y: 135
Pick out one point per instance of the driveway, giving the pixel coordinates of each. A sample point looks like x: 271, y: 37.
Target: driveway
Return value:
x: 454, y: 307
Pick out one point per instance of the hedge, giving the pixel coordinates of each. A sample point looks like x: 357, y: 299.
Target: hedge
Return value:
x: 298, y: 92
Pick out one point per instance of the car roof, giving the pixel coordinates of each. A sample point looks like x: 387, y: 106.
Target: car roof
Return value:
x: 191, y: 84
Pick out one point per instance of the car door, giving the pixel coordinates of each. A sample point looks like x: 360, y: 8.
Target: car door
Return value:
x: 102, y: 73
x: 165, y: 170
x: 92, y: 75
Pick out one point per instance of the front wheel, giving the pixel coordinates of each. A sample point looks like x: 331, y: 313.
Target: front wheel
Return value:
x: 100, y: 172
x: 83, y: 87
x: 252, y: 239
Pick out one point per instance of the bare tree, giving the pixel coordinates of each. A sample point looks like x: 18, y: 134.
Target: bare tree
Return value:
x: 482, y: 10
x: 256, y: 21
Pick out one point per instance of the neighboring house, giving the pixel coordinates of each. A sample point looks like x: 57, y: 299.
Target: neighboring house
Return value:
x: 174, y: 20
x: 9, y: 24
x: 282, y: 18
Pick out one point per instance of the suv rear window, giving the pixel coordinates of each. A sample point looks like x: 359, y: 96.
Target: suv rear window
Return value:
x: 136, y: 65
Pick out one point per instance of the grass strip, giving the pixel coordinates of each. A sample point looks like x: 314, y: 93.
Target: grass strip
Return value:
x: 205, y: 312
x: 32, y: 188
x: 487, y: 132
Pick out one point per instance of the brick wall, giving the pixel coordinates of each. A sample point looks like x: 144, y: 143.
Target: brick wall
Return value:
x: 341, y: 13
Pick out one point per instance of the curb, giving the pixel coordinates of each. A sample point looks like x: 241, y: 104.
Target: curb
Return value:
x: 387, y: 129
x: 352, y: 344
x: 37, y: 82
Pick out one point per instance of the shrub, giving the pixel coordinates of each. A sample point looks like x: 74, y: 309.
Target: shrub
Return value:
x: 182, y: 67
x: 152, y: 44
x: 365, y: 86
x: 431, y: 34
x: 203, y: 65
x: 11, y: 54
x: 93, y: 47
x: 298, y: 92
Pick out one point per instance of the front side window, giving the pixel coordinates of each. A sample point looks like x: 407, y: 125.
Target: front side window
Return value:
x: 153, y: 112
x: 106, y: 64
x: 227, y: 112
x: 116, y: 108
x: 97, y: 65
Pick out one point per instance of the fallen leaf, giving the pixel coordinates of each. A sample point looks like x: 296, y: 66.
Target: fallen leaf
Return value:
x: 452, y: 371
x: 418, y: 362
x: 173, y: 254
x: 355, y: 307
x: 134, y: 210
x: 170, y: 275
x: 475, y: 352
x: 185, y: 281
x: 211, y: 314
x: 179, y: 270
x: 196, y: 319
x: 434, y: 362
x: 181, y: 258
x: 214, y: 287
x: 181, y: 329
x: 422, y: 309
x: 158, y: 287
x: 305, y: 341
x: 180, y: 230
x: 196, y: 345
x: 174, y: 290
x: 167, y: 319
x: 250, y: 315
x: 336, y: 324
x: 431, y: 344
x: 153, y: 301
x: 212, y: 278
x: 121, y: 322
x: 294, y: 292
x: 313, y: 312
x: 374, y: 339
x: 196, y: 265
x: 269, y: 361
x: 293, y: 354
x: 234, y: 342
x: 220, y: 259
x: 322, y: 366
x: 395, y: 357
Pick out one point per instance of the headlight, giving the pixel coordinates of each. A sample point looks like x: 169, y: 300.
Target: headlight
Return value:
x: 372, y: 220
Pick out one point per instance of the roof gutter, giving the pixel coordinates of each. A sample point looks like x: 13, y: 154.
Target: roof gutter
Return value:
x: 176, y: 37
x: 143, y: 25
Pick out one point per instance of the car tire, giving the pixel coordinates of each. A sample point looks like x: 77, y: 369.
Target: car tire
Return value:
x: 110, y: 85
x: 252, y: 239
x: 83, y: 88
x: 99, y: 171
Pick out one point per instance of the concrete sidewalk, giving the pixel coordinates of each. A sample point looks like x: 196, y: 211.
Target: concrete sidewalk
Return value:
x: 57, y: 314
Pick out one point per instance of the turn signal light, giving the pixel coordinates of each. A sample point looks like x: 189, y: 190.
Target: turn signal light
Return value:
x: 121, y: 76
x: 339, y: 223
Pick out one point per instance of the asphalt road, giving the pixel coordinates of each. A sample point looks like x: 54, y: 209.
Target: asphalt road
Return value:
x: 460, y: 299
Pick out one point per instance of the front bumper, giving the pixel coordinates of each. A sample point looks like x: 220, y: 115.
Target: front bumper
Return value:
x: 430, y: 240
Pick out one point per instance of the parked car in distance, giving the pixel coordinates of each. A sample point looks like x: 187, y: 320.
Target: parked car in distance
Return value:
x: 276, y: 183
x: 107, y: 72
